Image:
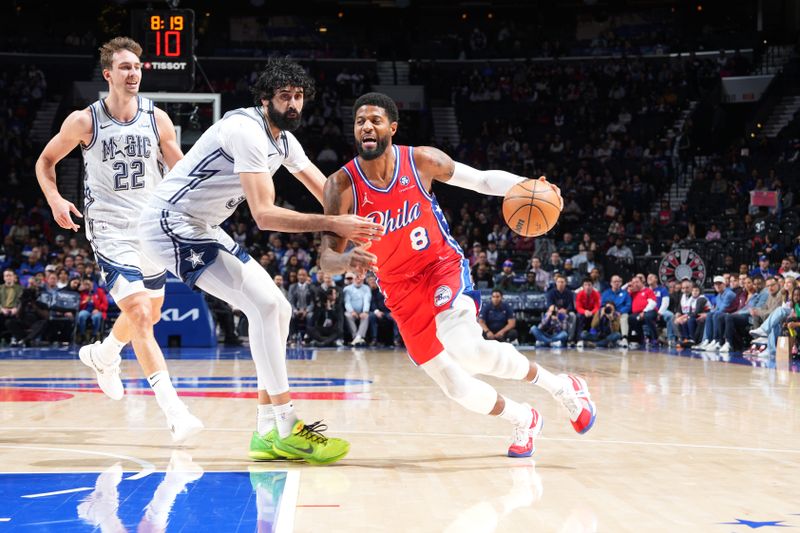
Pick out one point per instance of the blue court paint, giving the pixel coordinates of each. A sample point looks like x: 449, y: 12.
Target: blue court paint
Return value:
x: 217, y: 501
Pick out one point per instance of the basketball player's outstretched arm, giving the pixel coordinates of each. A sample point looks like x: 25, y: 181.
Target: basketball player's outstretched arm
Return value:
x: 76, y: 129
x: 260, y: 191
x: 338, y: 201
x: 434, y: 164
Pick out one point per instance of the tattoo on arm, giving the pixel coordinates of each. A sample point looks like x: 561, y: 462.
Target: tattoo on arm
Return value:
x: 332, y: 204
x: 437, y: 164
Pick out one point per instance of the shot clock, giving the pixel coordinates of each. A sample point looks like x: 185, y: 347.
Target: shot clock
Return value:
x: 167, y: 39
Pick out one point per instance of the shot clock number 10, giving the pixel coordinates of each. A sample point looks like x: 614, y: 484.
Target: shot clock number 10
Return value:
x: 167, y: 34
x: 167, y: 39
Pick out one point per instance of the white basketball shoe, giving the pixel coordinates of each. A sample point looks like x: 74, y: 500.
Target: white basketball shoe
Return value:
x: 108, y: 378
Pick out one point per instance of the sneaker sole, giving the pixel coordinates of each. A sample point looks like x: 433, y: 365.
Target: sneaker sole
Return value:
x: 593, y: 410
x: 592, y: 407
x: 269, y: 456
x: 289, y: 456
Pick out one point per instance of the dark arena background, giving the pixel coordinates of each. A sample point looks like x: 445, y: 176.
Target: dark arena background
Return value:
x: 669, y: 282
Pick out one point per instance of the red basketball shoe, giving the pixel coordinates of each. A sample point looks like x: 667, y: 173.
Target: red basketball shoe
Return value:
x: 575, y: 398
x: 522, y: 444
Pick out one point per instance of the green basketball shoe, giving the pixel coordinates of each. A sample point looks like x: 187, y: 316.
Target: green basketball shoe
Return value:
x: 261, y: 448
x: 309, y: 444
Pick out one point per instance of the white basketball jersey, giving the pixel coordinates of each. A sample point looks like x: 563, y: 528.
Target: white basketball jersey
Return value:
x: 123, y: 163
x: 205, y: 184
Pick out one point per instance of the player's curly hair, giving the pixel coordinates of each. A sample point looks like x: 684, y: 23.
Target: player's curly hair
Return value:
x: 378, y: 100
x: 279, y: 73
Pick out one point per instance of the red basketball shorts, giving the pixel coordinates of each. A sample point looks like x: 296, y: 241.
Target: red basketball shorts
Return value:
x: 416, y: 302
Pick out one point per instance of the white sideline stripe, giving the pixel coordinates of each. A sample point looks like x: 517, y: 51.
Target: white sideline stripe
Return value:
x: 57, y: 492
x: 288, y: 505
x: 147, y: 467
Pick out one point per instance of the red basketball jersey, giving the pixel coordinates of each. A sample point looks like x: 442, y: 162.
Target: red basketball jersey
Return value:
x: 416, y: 233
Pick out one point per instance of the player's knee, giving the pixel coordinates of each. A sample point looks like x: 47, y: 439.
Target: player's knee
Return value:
x: 140, y: 315
x: 461, y: 342
x: 264, y: 303
x: 454, y: 382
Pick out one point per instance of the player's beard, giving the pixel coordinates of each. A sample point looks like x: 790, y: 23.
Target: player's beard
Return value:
x: 282, y: 120
x: 369, y: 155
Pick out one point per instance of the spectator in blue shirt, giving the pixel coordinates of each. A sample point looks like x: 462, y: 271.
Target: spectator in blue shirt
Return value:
x: 763, y: 270
x: 738, y: 323
x: 33, y: 265
x: 357, y: 299
x: 725, y: 299
x: 497, y: 320
x: 622, y: 303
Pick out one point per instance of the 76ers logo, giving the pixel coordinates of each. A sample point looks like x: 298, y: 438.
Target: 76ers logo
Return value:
x: 442, y: 295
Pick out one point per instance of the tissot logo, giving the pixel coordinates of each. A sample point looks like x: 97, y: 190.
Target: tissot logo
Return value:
x: 164, y: 65
x: 174, y: 315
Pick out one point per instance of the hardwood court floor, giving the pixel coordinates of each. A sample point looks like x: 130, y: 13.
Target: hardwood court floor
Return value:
x: 680, y: 444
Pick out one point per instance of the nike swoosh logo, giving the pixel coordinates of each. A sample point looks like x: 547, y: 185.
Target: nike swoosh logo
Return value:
x: 308, y: 450
x: 104, y: 126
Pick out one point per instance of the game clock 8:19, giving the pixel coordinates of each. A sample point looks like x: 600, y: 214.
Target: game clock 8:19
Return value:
x: 167, y: 39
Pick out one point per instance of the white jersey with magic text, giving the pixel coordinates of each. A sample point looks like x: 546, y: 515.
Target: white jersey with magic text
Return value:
x: 205, y: 184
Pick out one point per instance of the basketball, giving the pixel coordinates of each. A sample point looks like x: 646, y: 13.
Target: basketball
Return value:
x: 531, y: 208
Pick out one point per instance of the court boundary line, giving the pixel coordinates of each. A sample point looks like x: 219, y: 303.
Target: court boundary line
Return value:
x: 288, y: 505
x: 147, y: 467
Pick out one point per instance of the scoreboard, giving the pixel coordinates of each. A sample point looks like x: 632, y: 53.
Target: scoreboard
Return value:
x: 167, y: 39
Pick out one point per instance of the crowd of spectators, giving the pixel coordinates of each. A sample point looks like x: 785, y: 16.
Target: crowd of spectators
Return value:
x: 22, y: 90
x: 600, y: 129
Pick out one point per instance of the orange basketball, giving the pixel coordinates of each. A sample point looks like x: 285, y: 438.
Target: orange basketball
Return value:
x: 531, y: 208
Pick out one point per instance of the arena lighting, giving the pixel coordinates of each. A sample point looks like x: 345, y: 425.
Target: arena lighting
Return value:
x: 463, y: 16
x: 490, y: 16
x: 341, y: 14
x: 323, y: 29
x: 699, y: 7
x: 758, y: 125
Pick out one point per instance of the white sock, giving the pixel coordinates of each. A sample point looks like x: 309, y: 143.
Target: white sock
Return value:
x: 516, y: 413
x: 285, y: 418
x: 266, y: 419
x: 547, y: 380
x: 163, y: 389
x: 110, y: 349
